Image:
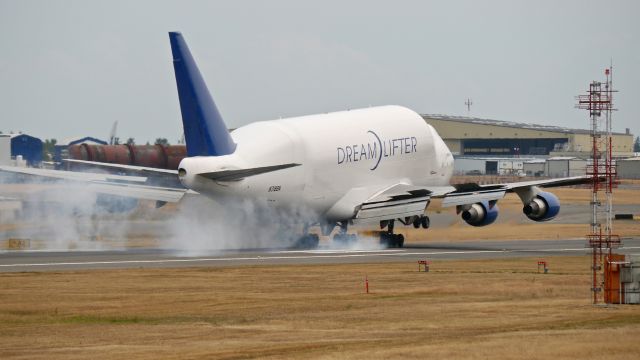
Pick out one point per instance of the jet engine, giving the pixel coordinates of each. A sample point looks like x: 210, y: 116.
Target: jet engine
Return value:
x: 544, y: 206
x: 480, y: 214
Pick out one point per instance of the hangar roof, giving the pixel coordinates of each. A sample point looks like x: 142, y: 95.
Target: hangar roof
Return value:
x: 479, y: 121
x: 80, y: 140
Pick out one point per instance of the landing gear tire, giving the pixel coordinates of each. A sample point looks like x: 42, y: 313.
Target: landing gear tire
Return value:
x: 399, y: 240
x: 391, y: 240
x: 344, y: 239
x: 309, y: 241
x: 425, y: 222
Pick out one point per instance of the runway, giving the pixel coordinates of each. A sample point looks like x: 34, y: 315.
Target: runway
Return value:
x: 21, y: 261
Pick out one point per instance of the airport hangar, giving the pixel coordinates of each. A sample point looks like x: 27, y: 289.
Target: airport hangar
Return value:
x: 468, y: 136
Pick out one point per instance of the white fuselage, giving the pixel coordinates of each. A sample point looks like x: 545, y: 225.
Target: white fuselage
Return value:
x: 371, y: 148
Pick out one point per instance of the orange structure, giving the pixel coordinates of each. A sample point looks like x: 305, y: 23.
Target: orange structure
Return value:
x: 425, y: 263
x: 613, y: 290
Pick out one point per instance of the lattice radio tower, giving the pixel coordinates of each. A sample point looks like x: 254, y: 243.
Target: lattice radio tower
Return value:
x: 602, y: 170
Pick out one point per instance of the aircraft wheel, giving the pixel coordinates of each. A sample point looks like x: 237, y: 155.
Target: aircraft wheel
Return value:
x: 385, y: 240
x: 309, y: 241
x: 344, y: 239
x: 416, y: 222
x: 425, y: 222
x: 399, y: 240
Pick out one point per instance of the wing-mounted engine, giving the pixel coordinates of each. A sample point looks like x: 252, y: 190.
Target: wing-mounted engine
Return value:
x: 543, y: 207
x: 479, y: 214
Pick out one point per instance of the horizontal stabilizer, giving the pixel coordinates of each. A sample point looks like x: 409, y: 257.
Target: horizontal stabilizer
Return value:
x: 235, y: 175
x: 141, y: 192
x: 110, y: 166
x: 108, y: 184
x: 71, y: 175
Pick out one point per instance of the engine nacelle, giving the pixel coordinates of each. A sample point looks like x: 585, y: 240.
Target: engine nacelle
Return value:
x: 480, y: 214
x: 545, y: 206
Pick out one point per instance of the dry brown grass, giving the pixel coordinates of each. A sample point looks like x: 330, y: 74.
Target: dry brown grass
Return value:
x: 498, y: 309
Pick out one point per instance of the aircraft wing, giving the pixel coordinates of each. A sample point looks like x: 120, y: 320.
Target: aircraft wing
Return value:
x: 568, y: 181
x: 402, y: 200
x: 397, y: 201
x: 473, y: 193
x: 120, y: 185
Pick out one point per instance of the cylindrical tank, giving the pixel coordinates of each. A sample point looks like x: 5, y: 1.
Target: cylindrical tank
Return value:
x: 175, y: 154
x: 156, y: 156
x: 149, y: 156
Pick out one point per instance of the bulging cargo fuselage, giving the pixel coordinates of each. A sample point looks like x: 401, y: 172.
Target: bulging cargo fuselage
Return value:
x: 336, y: 152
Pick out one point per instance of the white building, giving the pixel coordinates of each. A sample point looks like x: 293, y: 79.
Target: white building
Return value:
x: 565, y: 166
x: 5, y: 149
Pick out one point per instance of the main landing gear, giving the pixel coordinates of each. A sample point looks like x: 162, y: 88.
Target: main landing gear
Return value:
x: 342, y: 237
x: 307, y: 241
x: 421, y: 221
x: 388, y: 238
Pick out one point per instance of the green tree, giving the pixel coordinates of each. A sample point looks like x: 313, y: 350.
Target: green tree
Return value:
x: 636, y: 144
x: 162, y: 141
x: 48, y: 149
x: 131, y: 141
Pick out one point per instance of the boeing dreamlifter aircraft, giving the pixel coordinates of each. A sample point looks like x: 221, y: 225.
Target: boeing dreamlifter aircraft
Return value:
x: 378, y: 165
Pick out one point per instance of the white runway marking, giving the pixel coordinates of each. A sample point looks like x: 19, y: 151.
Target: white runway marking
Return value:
x: 394, y: 252
x: 336, y: 251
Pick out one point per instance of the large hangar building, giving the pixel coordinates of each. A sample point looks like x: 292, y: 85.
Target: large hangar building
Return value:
x: 467, y: 136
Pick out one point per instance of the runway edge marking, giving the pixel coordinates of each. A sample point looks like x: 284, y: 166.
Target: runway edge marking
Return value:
x: 263, y: 258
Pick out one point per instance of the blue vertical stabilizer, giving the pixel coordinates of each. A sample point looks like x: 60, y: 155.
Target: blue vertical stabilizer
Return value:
x: 204, y: 130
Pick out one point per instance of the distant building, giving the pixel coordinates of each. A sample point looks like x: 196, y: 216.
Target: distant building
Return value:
x: 29, y: 147
x: 628, y: 168
x: 466, y: 136
x: 5, y: 149
x: 534, y: 167
x: 489, y: 166
x: 564, y: 166
x: 61, y: 148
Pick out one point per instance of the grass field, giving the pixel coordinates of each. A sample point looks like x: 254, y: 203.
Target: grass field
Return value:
x: 489, y: 309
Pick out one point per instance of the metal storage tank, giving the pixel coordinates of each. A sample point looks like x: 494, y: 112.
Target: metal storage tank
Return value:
x: 565, y: 166
x: 28, y: 146
x: 5, y: 149
x: 155, y: 156
x: 628, y: 168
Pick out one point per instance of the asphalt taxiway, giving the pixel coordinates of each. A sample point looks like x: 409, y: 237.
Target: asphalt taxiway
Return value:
x: 35, y: 260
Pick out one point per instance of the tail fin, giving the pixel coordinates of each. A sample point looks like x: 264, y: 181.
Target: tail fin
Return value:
x: 204, y: 130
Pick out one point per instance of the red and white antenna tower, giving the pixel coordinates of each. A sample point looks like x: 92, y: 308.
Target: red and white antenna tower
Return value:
x: 601, y: 240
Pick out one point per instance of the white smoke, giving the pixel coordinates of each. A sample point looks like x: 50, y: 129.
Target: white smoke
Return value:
x: 63, y: 215
x: 67, y: 215
x: 203, y: 226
